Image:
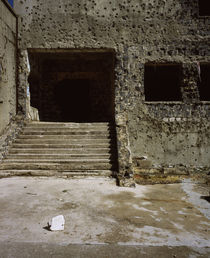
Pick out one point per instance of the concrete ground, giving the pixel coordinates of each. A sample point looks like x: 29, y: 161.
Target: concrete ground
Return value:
x: 103, y: 220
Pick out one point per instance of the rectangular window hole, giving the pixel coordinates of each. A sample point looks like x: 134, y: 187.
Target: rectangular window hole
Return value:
x: 162, y: 82
x: 204, y: 7
x: 204, y: 83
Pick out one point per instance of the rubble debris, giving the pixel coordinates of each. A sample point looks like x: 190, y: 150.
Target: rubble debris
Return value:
x: 57, y: 223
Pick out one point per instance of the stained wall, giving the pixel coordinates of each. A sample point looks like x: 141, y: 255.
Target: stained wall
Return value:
x: 166, y: 134
x: 7, y: 66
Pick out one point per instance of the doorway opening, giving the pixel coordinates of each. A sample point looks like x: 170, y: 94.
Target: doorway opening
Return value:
x: 72, y: 85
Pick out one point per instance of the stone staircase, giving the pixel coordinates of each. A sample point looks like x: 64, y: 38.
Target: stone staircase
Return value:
x: 65, y: 149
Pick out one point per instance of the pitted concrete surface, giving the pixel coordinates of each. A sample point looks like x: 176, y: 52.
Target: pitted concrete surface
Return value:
x: 143, y: 221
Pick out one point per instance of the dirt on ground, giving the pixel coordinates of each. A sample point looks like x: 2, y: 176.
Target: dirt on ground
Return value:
x: 101, y: 216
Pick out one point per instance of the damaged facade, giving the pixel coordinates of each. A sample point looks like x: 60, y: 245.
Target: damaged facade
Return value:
x: 157, y: 89
x: 7, y: 66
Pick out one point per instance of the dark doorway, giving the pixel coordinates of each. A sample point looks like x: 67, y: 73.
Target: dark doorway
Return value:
x: 73, y: 85
x: 72, y: 96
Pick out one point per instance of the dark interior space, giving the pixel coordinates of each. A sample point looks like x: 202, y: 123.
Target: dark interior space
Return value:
x: 72, y: 97
x: 162, y: 82
x: 204, y: 7
x: 72, y: 85
x: 204, y: 83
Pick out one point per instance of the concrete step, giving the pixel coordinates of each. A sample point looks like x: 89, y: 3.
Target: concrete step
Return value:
x: 60, y: 151
x: 56, y: 166
x: 70, y: 149
x: 59, y: 160
x: 60, y: 145
x: 72, y: 130
x: 67, y: 132
x: 38, y: 172
x: 67, y: 124
x: 58, y: 156
x: 69, y: 127
x: 70, y: 137
x: 62, y: 141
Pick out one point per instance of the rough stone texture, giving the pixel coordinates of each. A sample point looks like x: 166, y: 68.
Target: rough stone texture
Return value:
x: 23, y: 73
x: 33, y: 113
x: 170, y: 134
x: 9, y: 134
x: 124, y: 152
x: 7, y: 66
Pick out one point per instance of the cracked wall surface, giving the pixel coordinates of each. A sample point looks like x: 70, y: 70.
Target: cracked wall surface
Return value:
x: 7, y: 66
x: 166, y: 134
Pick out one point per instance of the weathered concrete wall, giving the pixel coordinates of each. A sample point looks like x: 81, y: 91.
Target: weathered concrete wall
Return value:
x: 169, y: 134
x: 7, y: 66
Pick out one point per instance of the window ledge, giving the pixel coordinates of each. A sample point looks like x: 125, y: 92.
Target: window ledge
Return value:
x: 164, y: 102
x: 204, y: 102
x: 176, y: 103
x: 203, y: 16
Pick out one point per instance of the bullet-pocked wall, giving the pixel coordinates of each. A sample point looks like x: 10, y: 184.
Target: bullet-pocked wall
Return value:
x: 7, y: 66
x: 144, y: 34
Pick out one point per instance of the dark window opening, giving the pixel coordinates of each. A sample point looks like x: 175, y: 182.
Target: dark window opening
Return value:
x: 162, y: 82
x: 204, y: 7
x: 204, y: 82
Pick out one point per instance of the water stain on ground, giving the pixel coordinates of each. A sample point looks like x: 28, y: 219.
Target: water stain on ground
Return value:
x: 168, y: 210
x: 69, y: 206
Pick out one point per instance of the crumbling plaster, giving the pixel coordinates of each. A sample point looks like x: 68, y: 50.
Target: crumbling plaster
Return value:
x: 169, y: 134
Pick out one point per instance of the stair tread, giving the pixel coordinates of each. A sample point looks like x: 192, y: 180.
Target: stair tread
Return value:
x: 58, y: 156
x: 59, y: 140
x: 63, y: 146
x: 66, y: 134
x: 56, y: 166
x: 67, y: 123
x: 49, y: 148
x: 55, y: 160
x: 62, y: 170
x: 79, y: 129
x: 61, y: 136
x: 47, y: 173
